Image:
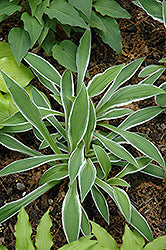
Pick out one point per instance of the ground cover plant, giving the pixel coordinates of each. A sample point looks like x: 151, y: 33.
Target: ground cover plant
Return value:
x: 85, y: 145
x: 42, y: 20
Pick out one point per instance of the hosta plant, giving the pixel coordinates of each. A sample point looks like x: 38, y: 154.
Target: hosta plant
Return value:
x: 154, y: 8
x: 44, y: 20
x: 85, y: 146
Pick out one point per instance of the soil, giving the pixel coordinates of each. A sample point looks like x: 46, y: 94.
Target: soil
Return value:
x: 142, y: 37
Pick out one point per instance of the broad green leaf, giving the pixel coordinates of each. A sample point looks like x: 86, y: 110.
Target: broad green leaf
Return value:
x: 76, y: 161
x: 7, y: 8
x: 3, y: 248
x: 44, y: 68
x: 32, y: 26
x: 103, y: 237
x: 29, y: 109
x: 33, y: 5
x: 71, y: 213
x: 91, y: 126
x: 12, y: 208
x: 5, y: 50
x: 65, y: 54
x: 49, y: 42
x: 110, y: 8
x: 57, y: 172
x: 65, y: 13
x: 129, y: 240
x: 103, y: 159
x: 85, y: 226
x: 13, y: 144
x: 140, y: 240
x: 100, y: 203
x: 78, y: 119
x: 23, y: 231
x: 116, y: 149
x: 15, y: 119
x: 161, y: 99
x: 153, y: 170
x: 111, y: 35
x: 43, y: 239
x: 85, y: 6
x: 95, y: 21
x: 82, y: 57
x: 153, y: 77
x: 20, y: 43
x: 137, y: 220
x: 140, y: 143
x: 157, y: 244
x: 4, y: 109
x: 125, y: 74
x: 87, y: 178
x: 21, y: 74
x: 29, y: 163
x: 114, y: 114
x: 117, y: 182
x: 100, y: 81
x: 40, y: 10
x: 153, y: 8
x: 83, y: 242
x: 150, y: 70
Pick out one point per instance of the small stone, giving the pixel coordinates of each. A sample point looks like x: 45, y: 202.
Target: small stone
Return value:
x: 20, y: 186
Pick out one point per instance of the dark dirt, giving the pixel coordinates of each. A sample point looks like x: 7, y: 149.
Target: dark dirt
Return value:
x: 142, y: 36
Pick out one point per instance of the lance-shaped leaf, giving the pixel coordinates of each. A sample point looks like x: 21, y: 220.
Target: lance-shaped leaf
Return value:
x: 100, y: 81
x: 67, y: 90
x: 116, y: 149
x: 84, y: 242
x: 153, y: 77
x: 29, y: 163
x: 78, y: 119
x: 158, y: 243
x: 84, y: 6
x: 16, y: 119
x: 82, y: 57
x: 154, y: 170
x: 140, y: 143
x: 71, y: 213
x: 103, y: 159
x: 23, y: 231
x: 16, y: 129
x: 100, y: 203
x: 117, y: 182
x: 43, y: 68
x: 125, y: 74
x: 150, y: 70
x: 164, y: 12
x: 29, y: 110
x: 57, y: 172
x: 137, y: 220
x: 153, y: 8
x: 91, y: 126
x: 87, y: 178
x: 114, y: 114
x: 103, y: 237
x: 85, y: 226
x: 12, y: 208
x: 76, y: 161
x: 43, y: 239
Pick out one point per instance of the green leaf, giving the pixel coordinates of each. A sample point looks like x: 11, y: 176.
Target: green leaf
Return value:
x: 114, y: 114
x: 12, y: 208
x: 85, y: 6
x: 95, y: 21
x: 103, y: 159
x: 150, y: 70
x: 153, y: 8
x: 85, y: 226
x: 29, y: 163
x: 43, y: 239
x: 153, y: 77
x: 129, y: 240
x: 110, y: 8
x: 23, y: 231
x: 40, y: 10
x: 3, y: 248
x: 78, y: 119
x: 4, y: 109
x: 87, y: 178
x: 117, y: 182
x: 157, y: 244
x: 103, y: 237
x: 32, y: 26
x: 16, y: 129
x: 7, y: 9
x: 33, y: 5
x: 43, y: 68
x: 57, y: 172
x: 100, y: 203
x: 71, y: 213
x: 83, y: 242
x: 5, y: 50
x: 154, y: 171
x: 140, y: 143
x: 82, y: 57
x: 65, y: 13
x: 76, y: 161
x: 116, y: 149
x: 49, y: 42
x: 111, y: 35
x: 100, y: 81
x: 65, y: 54
x: 20, y: 43
x: 161, y: 99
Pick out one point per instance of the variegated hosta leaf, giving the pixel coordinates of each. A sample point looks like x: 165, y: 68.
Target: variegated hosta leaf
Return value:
x: 153, y: 77
x: 150, y: 70
x: 115, y: 148
x: 78, y: 119
x: 103, y: 159
x: 117, y: 182
x: 85, y: 226
x: 125, y: 74
x: 87, y: 178
x: 82, y: 57
x: 100, y: 203
x: 71, y: 213
x: 76, y: 161
x: 100, y: 81
x: 153, y: 170
x: 114, y: 114
x: 164, y: 12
